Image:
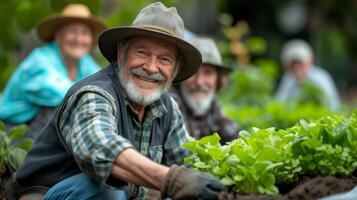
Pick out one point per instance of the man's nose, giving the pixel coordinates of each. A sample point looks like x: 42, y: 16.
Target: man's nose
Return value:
x: 199, y: 79
x: 151, y: 66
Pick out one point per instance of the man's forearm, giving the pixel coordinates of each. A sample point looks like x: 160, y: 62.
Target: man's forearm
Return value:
x: 133, y: 167
x: 127, y: 176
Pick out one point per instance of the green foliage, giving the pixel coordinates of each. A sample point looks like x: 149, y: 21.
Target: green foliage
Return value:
x: 126, y: 11
x: 274, y: 114
x: 29, y: 13
x: 262, y: 158
x: 311, y: 93
x: 257, y: 45
x: 327, y: 147
x: 13, y: 147
x: 249, y: 99
x: 249, y: 86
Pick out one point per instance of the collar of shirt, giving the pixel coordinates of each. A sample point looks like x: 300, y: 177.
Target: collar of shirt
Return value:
x: 155, y: 110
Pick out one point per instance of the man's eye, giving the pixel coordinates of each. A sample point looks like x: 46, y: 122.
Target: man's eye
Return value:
x: 209, y: 72
x: 165, y: 61
x: 141, y: 53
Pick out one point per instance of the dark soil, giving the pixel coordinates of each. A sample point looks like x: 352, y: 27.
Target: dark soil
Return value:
x: 306, y: 190
x: 3, y: 180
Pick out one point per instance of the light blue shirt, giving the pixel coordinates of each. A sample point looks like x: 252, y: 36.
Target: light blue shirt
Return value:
x: 289, y: 88
x: 40, y: 80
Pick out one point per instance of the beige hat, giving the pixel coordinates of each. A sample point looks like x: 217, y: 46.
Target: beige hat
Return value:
x: 155, y: 20
x: 296, y: 50
x: 209, y: 51
x: 47, y: 28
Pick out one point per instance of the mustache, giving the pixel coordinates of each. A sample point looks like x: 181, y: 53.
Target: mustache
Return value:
x: 197, y: 88
x: 141, y: 72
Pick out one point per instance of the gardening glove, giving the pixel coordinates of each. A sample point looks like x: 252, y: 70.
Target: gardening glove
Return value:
x: 182, y: 183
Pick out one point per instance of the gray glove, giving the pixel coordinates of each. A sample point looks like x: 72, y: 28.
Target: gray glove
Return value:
x: 182, y: 183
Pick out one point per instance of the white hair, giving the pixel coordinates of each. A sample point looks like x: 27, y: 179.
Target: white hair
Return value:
x: 199, y: 107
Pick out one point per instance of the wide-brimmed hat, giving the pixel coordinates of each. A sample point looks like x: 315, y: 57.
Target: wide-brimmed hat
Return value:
x: 155, y: 20
x: 47, y: 28
x: 209, y: 51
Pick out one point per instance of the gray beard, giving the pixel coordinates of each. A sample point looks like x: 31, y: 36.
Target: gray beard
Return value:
x: 198, y: 107
x: 134, y: 95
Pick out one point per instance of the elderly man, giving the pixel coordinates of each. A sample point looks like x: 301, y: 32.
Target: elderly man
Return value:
x: 196, y: 95
x: 43, y: 78
x: 297, y: 59
x: 118, y: 126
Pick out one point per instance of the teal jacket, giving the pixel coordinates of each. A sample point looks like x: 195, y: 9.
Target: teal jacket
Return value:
x: 41, y: 80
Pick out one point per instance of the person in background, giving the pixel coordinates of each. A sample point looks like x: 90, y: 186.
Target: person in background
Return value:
x: 119, y: 126
x: 298, y: 61
x: 196, y: 96
x: 189, y: 36
x: 41, y: 81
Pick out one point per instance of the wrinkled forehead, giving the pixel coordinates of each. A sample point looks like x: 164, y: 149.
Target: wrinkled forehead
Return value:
x: 209, y: 66
x: 153, y: 43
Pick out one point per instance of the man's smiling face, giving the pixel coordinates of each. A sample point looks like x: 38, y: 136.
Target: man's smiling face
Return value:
x: 147, y: 68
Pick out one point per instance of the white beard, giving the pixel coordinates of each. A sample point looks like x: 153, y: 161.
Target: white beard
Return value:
x: 135, y: 96
x: 199, y: 107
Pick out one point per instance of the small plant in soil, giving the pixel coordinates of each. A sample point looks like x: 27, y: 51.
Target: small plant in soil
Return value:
x: 13, y: 149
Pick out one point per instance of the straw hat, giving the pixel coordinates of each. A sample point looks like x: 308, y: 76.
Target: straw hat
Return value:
x: 209, y: 51
x: 155, y: 20
x: 72, y: 12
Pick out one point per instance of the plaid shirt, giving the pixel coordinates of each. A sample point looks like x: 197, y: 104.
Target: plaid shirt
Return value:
x: 212, y: 122
x: 89, y: 126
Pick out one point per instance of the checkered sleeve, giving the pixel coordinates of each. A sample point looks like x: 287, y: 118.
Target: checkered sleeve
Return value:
x: 174, y: 153
x: 88, y: 125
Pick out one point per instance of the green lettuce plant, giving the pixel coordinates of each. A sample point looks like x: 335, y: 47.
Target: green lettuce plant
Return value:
x: 13, y: 147
x: 263, y: 158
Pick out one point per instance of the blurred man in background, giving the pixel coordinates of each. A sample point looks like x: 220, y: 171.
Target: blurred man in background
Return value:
x: 41, y: 81
x: 196, y: 96
x: 297, y: 59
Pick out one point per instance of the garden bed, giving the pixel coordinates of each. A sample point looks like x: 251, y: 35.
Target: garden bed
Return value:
x: 305, y: 190
x: 279, y: 164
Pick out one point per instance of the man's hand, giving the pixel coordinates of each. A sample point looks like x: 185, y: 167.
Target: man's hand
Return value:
x: 182, y: 183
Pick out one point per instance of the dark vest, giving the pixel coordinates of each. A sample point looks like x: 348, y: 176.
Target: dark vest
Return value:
x: 50, y: 160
